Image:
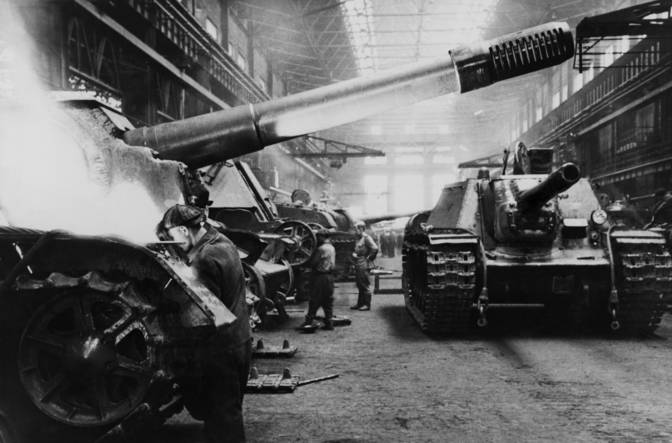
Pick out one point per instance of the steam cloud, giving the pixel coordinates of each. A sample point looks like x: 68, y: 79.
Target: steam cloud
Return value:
x: 47, y: 179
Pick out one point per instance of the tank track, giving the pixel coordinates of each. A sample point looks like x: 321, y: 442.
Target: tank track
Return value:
x: 444, y: 304
x: 644, y: 285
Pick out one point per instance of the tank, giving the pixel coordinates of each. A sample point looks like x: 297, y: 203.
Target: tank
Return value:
x: 99, y: 332
x: 337, y: 220
x: 536, y: 239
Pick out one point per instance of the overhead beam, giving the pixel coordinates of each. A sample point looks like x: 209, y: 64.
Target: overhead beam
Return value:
x: 333, y: 148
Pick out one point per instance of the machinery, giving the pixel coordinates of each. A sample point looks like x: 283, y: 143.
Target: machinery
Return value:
x: 337, y: 220
x: 98, y: 332
x: 240, y: 202
x: 532, y: 239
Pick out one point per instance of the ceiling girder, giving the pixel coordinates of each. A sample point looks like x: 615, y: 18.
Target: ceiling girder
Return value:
x: 332, y: 148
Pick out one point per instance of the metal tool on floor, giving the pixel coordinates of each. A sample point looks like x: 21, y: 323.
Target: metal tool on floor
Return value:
x: 318, y: 379
x: 279, y: 383
x: 261, y: 350
x: 271, y: 383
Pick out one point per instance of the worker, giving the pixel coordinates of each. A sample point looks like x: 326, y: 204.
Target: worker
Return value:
x: 364, y: 254
x: 399, y: 241
x: 216, y: 263
x: 322, y: 265
x: 661, y: 212
x: 387, y: 243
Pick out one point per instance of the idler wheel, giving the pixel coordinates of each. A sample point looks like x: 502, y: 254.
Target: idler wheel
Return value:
x: 303, y: 239
x: 85, y: 359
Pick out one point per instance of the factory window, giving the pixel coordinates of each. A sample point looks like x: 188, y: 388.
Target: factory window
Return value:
x: 408, y: 149
x: 261, y: 69
x: 638, y: 131
x: 241, y: 60
x: 589, y: 74
x: 564, y: 82
x: 375, y: 160
x: 605, y: 139
x: 608, y: 56
x: 514, y: 129
x: 539, y: 102
x: 409, y: 159
x: 375, y: 194
x: 578, y: 81
x: 237, y: 42
x: 555, y: 90
x: 624, y: 44
x: 278, y: 86
x: 408, y: 193
x: 443, y: 159
x: 645, y: 124
x: 211, y: 29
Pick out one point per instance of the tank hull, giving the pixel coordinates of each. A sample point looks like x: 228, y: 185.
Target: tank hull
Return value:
x: 587, y: 277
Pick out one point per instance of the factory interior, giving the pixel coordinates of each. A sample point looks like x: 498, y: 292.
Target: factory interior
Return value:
x: 335, y: 220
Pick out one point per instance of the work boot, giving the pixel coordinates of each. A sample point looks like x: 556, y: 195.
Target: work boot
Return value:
x: 355, y: 307
x: 308, y: 324
x: 364, y: 308
x: 328, y: 325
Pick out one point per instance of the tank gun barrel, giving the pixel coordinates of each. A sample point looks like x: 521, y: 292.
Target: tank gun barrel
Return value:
x: 558, y: 181
x: 226, y: 134
x: 370, y: 220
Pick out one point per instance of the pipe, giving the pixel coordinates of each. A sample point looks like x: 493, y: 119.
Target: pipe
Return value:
x: 226, y: 134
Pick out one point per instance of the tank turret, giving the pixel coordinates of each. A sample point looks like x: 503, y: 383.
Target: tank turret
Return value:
x: 226, y: 134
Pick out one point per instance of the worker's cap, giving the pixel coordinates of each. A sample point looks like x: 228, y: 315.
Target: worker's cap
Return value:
x: 182, y: 215
x: 360, y: 224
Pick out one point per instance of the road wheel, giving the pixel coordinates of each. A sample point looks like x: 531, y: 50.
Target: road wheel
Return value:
x: 304, y: 241
x: 79, y: 360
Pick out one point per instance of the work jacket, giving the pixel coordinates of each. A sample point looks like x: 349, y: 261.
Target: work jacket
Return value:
x: 365, y: 250
x: 217, y: 265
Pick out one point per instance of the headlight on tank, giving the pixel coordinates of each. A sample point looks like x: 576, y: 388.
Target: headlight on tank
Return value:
x: 598, y: 217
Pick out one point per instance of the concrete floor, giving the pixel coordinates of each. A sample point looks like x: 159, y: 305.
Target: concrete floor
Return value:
x: 511, y: 382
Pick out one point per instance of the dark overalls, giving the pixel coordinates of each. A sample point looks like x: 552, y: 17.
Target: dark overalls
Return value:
x: 226, y: 365
x: 365, y: 247
x: 322, y: 283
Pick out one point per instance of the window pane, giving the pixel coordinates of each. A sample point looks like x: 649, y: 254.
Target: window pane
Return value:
x: 375, y: 160
x: 443, y: 159
x: 409, y: 160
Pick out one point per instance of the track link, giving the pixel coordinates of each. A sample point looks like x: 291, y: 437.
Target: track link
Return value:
x: 644, y: 285
x: 444, y: 304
